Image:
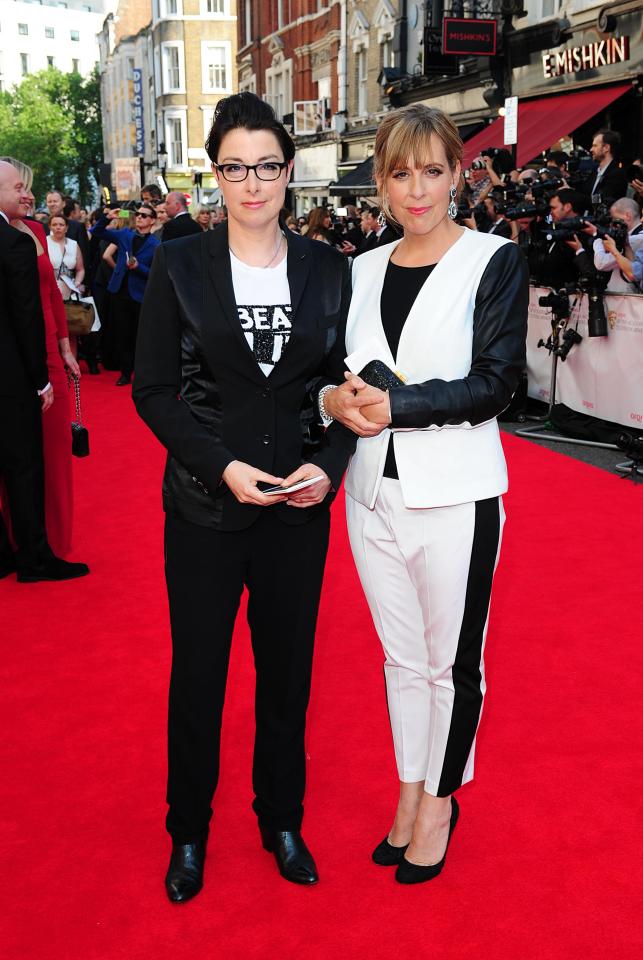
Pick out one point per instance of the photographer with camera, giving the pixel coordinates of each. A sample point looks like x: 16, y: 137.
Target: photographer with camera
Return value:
x: 566, y: 255
x: 623, y: 237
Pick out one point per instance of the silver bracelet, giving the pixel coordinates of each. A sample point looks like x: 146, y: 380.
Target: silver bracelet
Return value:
x: 326, y: 419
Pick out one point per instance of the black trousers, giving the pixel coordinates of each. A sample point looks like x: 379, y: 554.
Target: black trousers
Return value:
x: 126, y: 312
x: 22, y: 468
x: 206, y: 570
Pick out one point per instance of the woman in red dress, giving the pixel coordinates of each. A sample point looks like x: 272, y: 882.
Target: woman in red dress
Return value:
x: 56, y: 421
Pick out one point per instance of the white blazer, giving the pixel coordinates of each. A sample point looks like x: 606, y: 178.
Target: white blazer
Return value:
x: 437, y: 466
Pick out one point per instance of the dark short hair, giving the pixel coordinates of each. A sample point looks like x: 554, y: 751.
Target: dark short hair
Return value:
x: 578, y: 201
x: 247, y: 111
x: 153, y: 189
x: 68, y: 207
x: 149, y: 208
x: 611, y: 137
x: 558, y: 156
x: 374, y: 211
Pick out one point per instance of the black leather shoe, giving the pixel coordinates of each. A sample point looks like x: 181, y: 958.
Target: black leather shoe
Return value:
x: 293, y: 857
x: 415, y: 873
x: 124, y: 379
x: 386, y: 855
x: 93, y: 367
x: 52, y: 569
x: 184, y: 877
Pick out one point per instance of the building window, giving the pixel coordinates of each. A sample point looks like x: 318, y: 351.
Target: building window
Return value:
x: 280, y: 14
x: 248, y: 21
x: 362, y: 82
x: 279, y: 86
x: 75, y: 66
x: 169, y: 8
x: 23, y: 29
x: 50, y: 33
x: 248, y: 83
x: 217, y: 67
x: 175, y: 141
x: 387, y: 55
x: 213, y: 6
x: 549, y: 8
x: 172, y: 67
x: 24, y: 64
x: 50, y: 62
x: 74, y: 35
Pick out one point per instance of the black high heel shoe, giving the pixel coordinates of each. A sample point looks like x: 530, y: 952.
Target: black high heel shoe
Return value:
x: 416, y: 873
x: 386, y: 855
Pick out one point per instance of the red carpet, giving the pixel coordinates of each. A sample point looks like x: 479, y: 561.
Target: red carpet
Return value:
x: 546, y: 860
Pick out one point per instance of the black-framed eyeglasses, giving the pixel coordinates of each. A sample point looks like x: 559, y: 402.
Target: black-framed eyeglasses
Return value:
x: 235, y: 172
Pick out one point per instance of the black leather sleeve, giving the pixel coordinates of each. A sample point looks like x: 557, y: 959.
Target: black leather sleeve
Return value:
x: 498, y: 354
x: 158, y: 383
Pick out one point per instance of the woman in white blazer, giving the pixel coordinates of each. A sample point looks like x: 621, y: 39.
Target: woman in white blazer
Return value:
x: 446, y: 308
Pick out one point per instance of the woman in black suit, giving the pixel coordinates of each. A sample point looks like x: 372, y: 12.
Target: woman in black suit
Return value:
x: 238, y: 324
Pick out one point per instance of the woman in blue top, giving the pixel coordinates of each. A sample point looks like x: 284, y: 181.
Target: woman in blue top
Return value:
x: 135, y: 253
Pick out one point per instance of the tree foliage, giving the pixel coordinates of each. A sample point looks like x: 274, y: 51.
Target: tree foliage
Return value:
x: 52, y: 121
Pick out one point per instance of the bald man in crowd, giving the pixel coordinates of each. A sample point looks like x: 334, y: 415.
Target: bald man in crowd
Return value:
x: 180, y: 223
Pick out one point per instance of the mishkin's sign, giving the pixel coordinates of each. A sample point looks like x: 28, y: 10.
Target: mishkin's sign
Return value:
x: 589, y: 56
x: 469, y: 37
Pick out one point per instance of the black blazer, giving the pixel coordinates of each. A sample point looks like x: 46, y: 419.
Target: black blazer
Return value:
x: 612, y: 185
x: 23, y: 358
x: 201, y: 391
x: 181, y: 226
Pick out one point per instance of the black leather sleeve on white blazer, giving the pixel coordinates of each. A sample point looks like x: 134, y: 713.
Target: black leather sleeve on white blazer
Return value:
x: 498, y: 354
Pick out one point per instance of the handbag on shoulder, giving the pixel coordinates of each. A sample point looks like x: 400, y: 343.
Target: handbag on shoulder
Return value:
x: 79, y: 433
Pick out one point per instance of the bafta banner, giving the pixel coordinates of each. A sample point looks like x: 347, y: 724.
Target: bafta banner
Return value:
x: 602, y: 376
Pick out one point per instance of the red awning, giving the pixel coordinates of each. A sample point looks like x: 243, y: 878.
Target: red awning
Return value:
x: 543, y: 121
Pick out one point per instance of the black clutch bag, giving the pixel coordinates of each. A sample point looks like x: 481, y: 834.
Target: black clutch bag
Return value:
x: 79, y: 432
x: 377, y: 374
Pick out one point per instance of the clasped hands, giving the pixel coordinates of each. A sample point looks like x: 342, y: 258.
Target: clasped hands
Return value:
x: 363, y: 409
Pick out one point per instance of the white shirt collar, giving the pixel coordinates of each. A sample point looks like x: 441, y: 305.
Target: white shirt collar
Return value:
x: 3, y: 214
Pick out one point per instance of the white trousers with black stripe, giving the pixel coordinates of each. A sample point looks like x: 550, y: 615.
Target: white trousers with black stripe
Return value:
x: 427, y: 576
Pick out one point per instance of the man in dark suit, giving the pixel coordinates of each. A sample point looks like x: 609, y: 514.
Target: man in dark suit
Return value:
x: 608, y: 181
x: 180, y: 223
x: 376, y: 234
x: 567, y: 260
x: 25, y: 392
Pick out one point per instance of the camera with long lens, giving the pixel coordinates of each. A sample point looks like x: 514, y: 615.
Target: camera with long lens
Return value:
x: 523, y: 210
x: 617, y: 230
x: 543, y: 189
x: 594, y: 286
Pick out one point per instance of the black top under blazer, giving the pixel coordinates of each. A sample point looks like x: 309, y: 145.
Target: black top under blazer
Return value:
x: 201, y: 391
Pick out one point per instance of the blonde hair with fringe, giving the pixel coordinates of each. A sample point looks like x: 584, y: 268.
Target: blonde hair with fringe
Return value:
x: 405, y: 138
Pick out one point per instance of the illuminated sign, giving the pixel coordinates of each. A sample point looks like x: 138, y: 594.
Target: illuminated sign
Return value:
x: 589, y: 56
x: 137, y: 111
x: 469, y: 37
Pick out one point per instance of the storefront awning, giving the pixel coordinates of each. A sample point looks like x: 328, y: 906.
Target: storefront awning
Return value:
x: 357, y: 182
x: 543, y: 121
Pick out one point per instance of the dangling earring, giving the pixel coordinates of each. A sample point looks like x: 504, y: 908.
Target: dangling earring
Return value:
x: 381, y: 220
x: 453, y: 209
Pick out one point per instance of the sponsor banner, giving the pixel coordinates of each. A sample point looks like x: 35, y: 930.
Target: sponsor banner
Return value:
x: 137, y: 111
x: 602, y: 376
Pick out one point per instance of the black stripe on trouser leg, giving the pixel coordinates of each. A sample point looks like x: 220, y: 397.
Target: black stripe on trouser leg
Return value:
x: 467, y: 677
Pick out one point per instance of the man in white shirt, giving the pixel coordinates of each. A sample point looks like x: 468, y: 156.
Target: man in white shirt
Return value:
x: 629, y: 212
